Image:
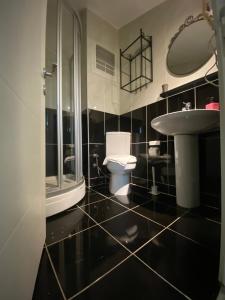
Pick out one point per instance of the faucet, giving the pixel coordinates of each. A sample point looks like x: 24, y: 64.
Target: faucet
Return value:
x: 187, y: 106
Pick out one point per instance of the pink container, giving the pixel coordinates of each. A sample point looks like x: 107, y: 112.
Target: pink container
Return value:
x: 213, y: 106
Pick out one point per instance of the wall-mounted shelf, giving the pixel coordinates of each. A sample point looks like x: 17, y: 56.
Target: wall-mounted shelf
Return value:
x: 136, y: 64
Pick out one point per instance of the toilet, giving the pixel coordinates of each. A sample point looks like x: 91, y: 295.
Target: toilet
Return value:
x: 119, y: 162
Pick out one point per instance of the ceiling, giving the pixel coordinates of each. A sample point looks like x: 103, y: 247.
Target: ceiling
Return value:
x: 117, y: 12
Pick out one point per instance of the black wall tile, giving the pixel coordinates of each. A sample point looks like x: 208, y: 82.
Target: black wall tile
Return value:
x: 111, y: 122
x: 97, y: 181
x: 100, y: 150
x: 154, y: 110
x: 51, y: 160
x: 139, y: 125
x: 171, y: 164
x: 96, y: 126
x: 140, y: 152
x: 159, y: 164
x: 51, y: 126
x: 140, y: 181
x: 204, y: 92
x: 85, y: 160
x: 84, y: 127
x: 175, y: 103
x: 125, y: 122
x: 209, y: 159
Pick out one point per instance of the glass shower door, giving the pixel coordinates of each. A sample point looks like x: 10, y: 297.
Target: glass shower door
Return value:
x: 52, y: 182
x: 68, y: 107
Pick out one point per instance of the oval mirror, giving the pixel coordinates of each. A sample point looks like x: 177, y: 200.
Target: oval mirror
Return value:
x: 190, y: 47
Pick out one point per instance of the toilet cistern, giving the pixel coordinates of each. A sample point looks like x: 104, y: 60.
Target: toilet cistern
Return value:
x: 119, y: 162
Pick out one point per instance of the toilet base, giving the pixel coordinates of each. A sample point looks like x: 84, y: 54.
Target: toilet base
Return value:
x: 119, y: 184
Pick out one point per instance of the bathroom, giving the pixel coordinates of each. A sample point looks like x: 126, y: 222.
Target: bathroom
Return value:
x: 101, y: 194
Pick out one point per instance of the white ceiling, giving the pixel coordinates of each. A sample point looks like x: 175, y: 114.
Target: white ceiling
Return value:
x: 117, y: 12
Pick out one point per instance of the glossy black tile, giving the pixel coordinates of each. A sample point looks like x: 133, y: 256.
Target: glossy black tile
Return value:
x: 90, y: 197
x: 191, y: 268
x: 97, y: 181
x: 140, y: 152
x: 46, y: 286
x: 139, y: 125
x: 68, y: 128
x: 103, y: 210
x: 84, y: 127
x: 132, y: 230
x: 154, y: 110
x: 142, y: 182
x: 51, y: 160
x: 131, y: 280
x: 85, y: 160
x: 139, y: 190
x: 166, y: 199
x: 198, y: 228
x: 66, y: 224
x: 51, y: 126
x: 171, y: 164
x: 103, y: 189
x: 96, y: 126
x: 99, y: 150
x: 210, y: 173
x: 159, y: 212
x: 111, y: 122
x: 175, y: 103
x: 125, y: 122
x: 160, y: 164
x: 204, y: 92
x: 84, y: 258
x: 131, y: 200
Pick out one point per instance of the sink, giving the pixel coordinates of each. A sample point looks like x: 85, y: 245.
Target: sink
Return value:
x: 187, y: 122
x: 185, y: 127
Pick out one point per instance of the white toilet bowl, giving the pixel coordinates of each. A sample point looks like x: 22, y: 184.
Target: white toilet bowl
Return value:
x: 119, y: 162
x: 120, y: 177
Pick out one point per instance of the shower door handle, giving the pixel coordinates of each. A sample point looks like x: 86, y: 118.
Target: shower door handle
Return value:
x: 49, y: 74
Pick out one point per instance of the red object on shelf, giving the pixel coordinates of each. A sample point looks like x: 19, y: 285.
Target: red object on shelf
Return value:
x: 213, y: 105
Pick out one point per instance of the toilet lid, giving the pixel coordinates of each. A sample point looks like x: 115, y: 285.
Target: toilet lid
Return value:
x: 121, y: 159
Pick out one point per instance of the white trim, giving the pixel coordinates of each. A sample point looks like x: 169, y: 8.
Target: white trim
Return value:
x: 64, y: 201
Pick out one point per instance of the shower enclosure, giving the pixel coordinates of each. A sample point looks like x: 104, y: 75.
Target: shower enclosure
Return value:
x: 64, y: 180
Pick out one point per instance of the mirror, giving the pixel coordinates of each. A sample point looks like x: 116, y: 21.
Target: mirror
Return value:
x: 190, y: 47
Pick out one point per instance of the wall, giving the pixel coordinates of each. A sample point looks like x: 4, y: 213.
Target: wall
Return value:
x: 100, y: 95
x: 22, y: 172
x: 162, y: 22
x: 102, y: 90
x: 139, y: 123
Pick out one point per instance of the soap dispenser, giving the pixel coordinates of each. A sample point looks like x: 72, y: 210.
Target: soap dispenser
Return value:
x: 213, y: 104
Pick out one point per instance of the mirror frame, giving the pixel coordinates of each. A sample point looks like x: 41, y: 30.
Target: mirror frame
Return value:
x: 188, y: 21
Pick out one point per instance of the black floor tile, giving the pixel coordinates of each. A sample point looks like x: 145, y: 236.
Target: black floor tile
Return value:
x: 139, y: 190
x: 90, y: 197
x: 199, y: 229
x: 131, y: 280
x: 65, y: 224
x: 131, y: 229
x: 103, y: 189
x: 103, y: 210
x: 166, y: 199
x: 131, y: 200
x: 159, y: 212
x: 46, y: 286
x: 191, y: 268
x: 82, y: 259
x: 208, y: 212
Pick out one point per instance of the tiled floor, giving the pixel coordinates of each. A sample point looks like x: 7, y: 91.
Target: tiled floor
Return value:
x: 135, y: 247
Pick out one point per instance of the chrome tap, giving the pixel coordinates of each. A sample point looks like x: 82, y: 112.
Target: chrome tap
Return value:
x: 187, y: 106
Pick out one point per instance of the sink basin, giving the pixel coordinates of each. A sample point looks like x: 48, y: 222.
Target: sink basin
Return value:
x: 185, y: 126
x: 187, y: 122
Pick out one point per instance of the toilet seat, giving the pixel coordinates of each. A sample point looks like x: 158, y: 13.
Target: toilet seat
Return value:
x: 122, y: 160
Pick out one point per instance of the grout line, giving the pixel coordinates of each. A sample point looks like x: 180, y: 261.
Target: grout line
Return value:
x: 134, y: 253
x: 137, y: 213
x: 54, y: 271
x: 69, y: 236
x: 99, y: 278
x: 184, y: 236
x: 214, y: 221
x: 162, y: 278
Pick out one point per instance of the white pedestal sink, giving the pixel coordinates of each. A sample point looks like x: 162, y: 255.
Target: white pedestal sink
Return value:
x: 185, y: 127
